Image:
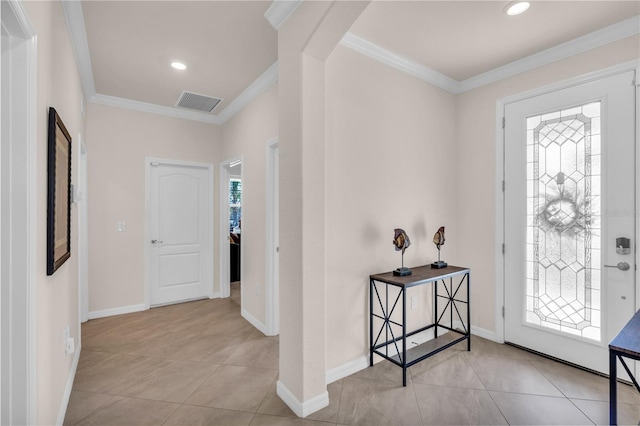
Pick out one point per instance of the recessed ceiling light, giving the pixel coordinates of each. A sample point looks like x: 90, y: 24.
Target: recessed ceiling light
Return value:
x: 516, y: 7
x: 179, y: 66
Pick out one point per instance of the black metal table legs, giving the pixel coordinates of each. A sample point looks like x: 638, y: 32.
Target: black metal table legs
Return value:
x: 613, y: 397
x: 391, y: 343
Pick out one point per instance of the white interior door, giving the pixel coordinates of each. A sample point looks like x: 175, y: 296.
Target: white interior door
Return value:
x: 569, y: 197
x: 180, y: 231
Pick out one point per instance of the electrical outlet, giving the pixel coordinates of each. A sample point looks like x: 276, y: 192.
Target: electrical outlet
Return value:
x: 70, y: 346
x: 69, y: 342
x: 414, y: 302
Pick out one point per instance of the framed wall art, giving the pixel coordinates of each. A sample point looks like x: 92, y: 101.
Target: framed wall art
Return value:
x: 58, y: 193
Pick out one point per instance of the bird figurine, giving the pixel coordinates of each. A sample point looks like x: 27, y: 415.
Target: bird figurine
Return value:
x: 401, y: 242
x: 438, y: 240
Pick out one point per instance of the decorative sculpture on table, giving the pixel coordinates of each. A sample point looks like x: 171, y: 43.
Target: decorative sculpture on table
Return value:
x: 438, y: 240
x: 401, y: 242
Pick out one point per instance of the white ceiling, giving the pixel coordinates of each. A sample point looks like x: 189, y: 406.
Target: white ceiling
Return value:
x: 462, y: 39
x: 230, y: 48
x: 226, y: 46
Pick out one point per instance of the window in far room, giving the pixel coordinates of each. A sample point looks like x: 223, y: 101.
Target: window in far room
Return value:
x: 235, y: 205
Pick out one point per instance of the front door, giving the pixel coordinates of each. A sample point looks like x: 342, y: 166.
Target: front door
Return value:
x: 569, y: 210
x: 180, y: 231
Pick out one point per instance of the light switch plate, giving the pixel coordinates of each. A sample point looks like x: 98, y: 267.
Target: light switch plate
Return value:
x: 121, y: 225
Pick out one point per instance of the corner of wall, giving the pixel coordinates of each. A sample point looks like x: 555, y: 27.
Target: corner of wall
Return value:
x: 305, y: 408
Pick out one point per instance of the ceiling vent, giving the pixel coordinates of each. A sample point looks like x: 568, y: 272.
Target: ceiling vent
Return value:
x: 197, y: 102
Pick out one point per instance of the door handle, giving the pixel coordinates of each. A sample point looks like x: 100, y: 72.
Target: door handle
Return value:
x: 156, y: 242
x: 623, y: 266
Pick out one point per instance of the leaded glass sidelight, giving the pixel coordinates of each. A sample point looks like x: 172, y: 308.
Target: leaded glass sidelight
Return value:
x: 563, y: 221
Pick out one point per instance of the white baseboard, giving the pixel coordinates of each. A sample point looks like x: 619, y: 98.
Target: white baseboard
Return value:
x: 302, y: 409
x: 216, y: 295
x: 480, y: 332
x: 485, y: 334
x: 116, y: 311
x: 362, y: 362
x: 67, y: 390
x: 347, y: 369
x: 254, y: 322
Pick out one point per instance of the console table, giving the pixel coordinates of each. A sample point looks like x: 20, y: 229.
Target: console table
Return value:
x: 450, y: 280
x: 625, y: 344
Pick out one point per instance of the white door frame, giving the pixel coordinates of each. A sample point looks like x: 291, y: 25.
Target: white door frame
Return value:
x: 81, y: 200
x: 272, y: 286
x: 148, y: 163
x: 225, y: 252
x: 499, y: 159
x: 18, y: 333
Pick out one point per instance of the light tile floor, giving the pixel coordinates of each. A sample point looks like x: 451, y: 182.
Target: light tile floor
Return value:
x: 200, y: 363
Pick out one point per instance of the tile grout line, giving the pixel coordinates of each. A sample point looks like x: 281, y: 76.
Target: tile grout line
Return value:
x: 201, y: 383
x: 415, y: 397
x: 79, y: 421
x: 172, y: 413
x: 541, y: 371
x: 486, y: 390
x: 339, y: 400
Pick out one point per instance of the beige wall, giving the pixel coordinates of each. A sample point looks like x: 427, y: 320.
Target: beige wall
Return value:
x: 476, y: 165
x: 246, y: 135
x: 391, y: 163
x: 427, y: 163
x: 118, y: 141
x: 58, y: 85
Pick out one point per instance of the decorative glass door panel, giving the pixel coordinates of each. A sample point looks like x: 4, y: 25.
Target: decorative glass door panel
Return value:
x: 563, y: 227
x: 569, y: 171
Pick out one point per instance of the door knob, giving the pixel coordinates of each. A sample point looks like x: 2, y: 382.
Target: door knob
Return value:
x: 623, y: 266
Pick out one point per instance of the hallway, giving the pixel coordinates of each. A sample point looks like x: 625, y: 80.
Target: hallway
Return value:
x: 202, y: 363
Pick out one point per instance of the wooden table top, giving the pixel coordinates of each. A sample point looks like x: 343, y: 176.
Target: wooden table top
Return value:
x: 419, y: 275
x: 628, y: 340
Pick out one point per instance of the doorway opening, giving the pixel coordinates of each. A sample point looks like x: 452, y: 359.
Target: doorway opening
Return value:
x: 235, y: 231
x: 231, y: 229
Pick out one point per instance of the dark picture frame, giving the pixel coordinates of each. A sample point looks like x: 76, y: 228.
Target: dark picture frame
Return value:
x: 58, y: 193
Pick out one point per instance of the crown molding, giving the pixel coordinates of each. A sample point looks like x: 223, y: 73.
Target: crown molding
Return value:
x: 155, y: 109
x: 18, y: 23
x: 78, y: 33
x: 400, y: 63
x: 280, y: 10
x: 612, y: 33
x: 277, y: 14
x: 262, y: 83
